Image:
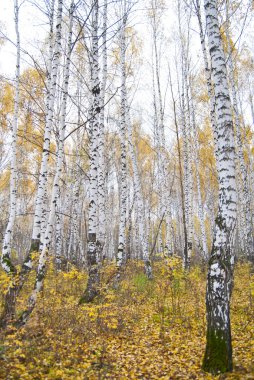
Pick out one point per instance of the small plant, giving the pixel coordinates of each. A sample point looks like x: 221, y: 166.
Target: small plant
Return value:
x: 141, y: 282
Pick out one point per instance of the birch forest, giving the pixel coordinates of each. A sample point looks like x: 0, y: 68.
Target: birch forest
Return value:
x: 126, y: 189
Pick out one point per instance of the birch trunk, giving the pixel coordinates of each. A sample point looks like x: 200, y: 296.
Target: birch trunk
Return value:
x: 186, y: 132
x: 199, y: 195
x: 6, y: 252
x: 6, y: 262
x: 218, y: 354
x: 208, y: 75
x: 93, y: 245
x: 55, y: 191
x: 159, y: 114
x: 52, y: 81
x: 182, y: 194
x: 140, y: 207
x: 187, y: 180
x: 123, y: 174
x: 101, y: 140
x: 243, y: 183
x: 58, y: 234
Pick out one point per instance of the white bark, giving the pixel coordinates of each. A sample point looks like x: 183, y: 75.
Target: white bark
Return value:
x: 6, y: 252
x: 60, y: 156
x: 159, y: 121
x: 244, y: 195
x: 93, y: 245
x: 219, y: 280
x: 94, y: 126
x: 123, y: 124
x: 207, y: 74
x: 199, y: 195
x: 58, y: 233
x: 74, y: 246
x: 143, y: 235
x: 186, y: 131
x: 52, y: 81
x: 101, y: 139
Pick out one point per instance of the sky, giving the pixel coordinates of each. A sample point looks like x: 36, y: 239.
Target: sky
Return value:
x: 33, y: 29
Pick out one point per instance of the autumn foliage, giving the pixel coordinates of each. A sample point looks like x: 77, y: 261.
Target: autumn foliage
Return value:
x: 142, y: 330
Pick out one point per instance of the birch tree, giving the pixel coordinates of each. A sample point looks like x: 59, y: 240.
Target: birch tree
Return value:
x: 246, y: 226
x: 93, y: 245
x: 185, y: 121
x: 54, y: 58
x: 6, y: 261
x: 101, y: 142
x: 201, y: 213
x: 218, y: 354
x: 55, y: 191
x: 210, y: 89
x: 6, y: 253
x: 140, y: 205
x: 121, y: 251
x: 185, y: 232
x: 155, y: 16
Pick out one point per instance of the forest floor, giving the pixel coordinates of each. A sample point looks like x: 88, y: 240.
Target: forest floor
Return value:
x: 143, y: 330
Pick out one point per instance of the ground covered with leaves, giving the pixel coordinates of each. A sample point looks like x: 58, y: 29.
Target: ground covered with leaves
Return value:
x: 143, y: 330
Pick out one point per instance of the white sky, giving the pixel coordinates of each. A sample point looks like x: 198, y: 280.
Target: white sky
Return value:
x: 32, y: 28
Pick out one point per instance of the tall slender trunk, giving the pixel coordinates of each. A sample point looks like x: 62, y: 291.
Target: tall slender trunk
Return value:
x: 140, y: 206
x: 218, y: 354
x: 157, y: 163
x: 6, y: 252
x: 186, y: 133
x: 59, y: 234
x: 6, y: 262
x: 243, y: 183
x: 101, y: 142
x: 199, y: 195
x: 93, y: 245
x: 41, y: 270
x: 160, y: 128
x: 180, y: 177
x: 208, y: 75
x: 123, y: 174
x: 52, y: 81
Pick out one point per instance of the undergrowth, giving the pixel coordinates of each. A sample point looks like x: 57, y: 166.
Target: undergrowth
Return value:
x: 142, y: 330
